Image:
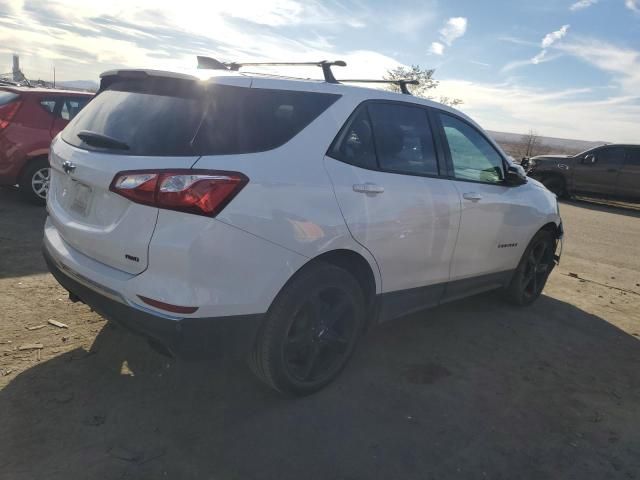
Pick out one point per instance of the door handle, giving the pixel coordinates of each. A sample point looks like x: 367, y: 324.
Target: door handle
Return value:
x: 473, y: 196
x: 369, y: 188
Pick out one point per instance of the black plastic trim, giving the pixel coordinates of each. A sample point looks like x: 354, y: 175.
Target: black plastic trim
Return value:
x: 186, y: 338
x: 399, y: 303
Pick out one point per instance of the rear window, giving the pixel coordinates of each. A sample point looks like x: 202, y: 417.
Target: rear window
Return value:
x: 7, y: 97
x: 168, y: 117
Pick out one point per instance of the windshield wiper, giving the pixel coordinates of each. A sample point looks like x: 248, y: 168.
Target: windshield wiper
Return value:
x: 101, y: 141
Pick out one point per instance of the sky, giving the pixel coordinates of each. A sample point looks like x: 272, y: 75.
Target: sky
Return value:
x: 564, y: 68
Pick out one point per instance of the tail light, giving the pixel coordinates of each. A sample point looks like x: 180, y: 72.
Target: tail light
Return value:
x: 7, y: 112
x: 201, y: 192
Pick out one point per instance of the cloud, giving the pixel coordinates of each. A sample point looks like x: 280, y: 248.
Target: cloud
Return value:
x: 166, y: 34
x: 453, y: 29
x: 551, y: 38
x: 509, y: 107
x: 621, y: 62
x: 542, y: 57
x: 582, y: 4
x: 539, y: 57
x: 437, y: 48
x: 410, y: 23
x: 633, y: 5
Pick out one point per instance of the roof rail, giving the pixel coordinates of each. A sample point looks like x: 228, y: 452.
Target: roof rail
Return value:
x: 213, y: 64
x: 402, y: 83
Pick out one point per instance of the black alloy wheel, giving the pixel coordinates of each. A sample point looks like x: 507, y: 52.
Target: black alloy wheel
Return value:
x: 310, y: 331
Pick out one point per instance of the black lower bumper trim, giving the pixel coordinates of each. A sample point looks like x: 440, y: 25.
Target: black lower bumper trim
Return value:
x: 188, y: 338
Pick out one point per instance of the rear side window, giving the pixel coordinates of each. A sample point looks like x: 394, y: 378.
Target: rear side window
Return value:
x: 7, y: 97
x: 392, y: 137
x: 169, y: 117
x: 49, y: 105
x: 403, y: 139
x: 71, y: 107
x: 355, y: 143
x: 248, y: 120
x: 633, y: 156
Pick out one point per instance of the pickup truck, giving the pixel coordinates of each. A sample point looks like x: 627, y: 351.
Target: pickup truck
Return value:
x: 611, y: 171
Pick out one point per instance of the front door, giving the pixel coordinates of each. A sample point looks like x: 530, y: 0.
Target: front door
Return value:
x: 494, y: 224
x: 629, y: 178
x: 386, y: 178
x: 597, y: 171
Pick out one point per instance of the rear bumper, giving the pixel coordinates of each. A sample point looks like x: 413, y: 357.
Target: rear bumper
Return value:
x: 187, y: 338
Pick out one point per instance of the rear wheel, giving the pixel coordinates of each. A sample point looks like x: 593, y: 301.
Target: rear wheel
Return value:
x: 310, y: 331
x: 556, y: 185
x: 533, y: 270
x: 34, y: 183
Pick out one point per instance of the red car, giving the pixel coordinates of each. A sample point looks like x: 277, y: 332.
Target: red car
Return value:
x: 29, y: 119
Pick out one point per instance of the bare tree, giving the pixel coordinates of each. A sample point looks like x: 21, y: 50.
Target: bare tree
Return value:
x: 427, y: 83
x: 529, y: 143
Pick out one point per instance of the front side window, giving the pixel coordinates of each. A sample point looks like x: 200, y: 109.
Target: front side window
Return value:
x: 610, y: 156
x: 403, y: 139
x: 473, y: 157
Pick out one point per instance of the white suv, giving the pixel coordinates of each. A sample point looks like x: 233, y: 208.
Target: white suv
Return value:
x: 279, y: 217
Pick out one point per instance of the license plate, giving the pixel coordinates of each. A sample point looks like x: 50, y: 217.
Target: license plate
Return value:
x: 81, y: 199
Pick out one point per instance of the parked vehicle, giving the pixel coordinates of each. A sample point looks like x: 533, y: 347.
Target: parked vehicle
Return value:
x: 29, y: 119
x: 282, y: 217
x: 608, y: 171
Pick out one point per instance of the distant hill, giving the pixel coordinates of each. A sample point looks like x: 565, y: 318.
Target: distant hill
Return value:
x: 79, y: 84
x: 512, y: 143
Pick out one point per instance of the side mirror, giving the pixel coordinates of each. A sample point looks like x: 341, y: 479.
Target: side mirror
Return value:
x: 589, y: 159
x: 515, y: 175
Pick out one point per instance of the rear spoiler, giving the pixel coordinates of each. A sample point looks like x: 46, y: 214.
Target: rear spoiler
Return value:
x: 110, y: 76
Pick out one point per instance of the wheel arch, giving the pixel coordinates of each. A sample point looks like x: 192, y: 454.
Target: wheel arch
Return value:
x: 561, y: 177
x: 551, y: 227
x: 356, y: 264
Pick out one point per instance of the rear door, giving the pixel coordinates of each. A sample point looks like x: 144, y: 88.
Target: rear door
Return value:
x: 597, y: 171
x: 151, y: 122
x: 386, y: 178
x: 629, y: 178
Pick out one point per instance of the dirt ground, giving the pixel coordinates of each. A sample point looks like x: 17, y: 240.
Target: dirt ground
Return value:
x: 473, y: 389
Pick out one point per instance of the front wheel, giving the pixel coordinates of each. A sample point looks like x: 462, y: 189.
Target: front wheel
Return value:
x: 533, y: 270
x: 310, y: 330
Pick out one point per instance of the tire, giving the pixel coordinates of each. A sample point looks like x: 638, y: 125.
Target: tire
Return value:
x: 556, y: 185
x: 34, y: 181
x: 310, y: 330
x: 533, y: 270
